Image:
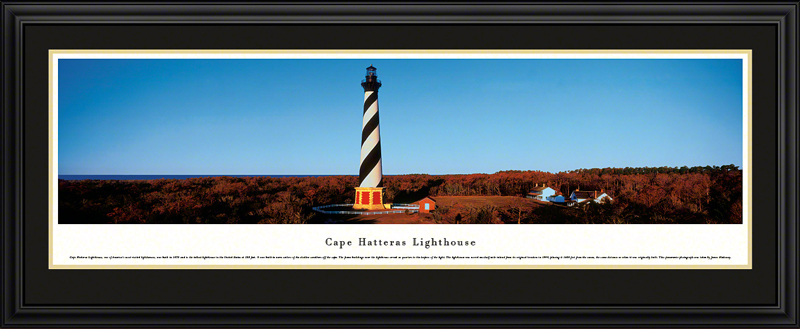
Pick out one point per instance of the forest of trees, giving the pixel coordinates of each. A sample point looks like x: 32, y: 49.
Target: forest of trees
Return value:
x: 710, y: 194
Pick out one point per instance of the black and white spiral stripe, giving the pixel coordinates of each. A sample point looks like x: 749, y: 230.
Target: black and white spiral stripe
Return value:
x: 371, y: 173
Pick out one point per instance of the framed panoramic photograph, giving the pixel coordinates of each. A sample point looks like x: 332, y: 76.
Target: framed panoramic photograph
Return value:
x: 185, y: 112
x: 527, y: 165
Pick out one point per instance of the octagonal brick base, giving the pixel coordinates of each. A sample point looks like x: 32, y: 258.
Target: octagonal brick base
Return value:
x: 369, y: 198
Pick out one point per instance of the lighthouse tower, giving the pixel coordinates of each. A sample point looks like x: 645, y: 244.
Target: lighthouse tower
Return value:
x: 369, y: 193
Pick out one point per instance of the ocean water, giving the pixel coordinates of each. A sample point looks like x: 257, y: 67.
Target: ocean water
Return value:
x: 146, y: 177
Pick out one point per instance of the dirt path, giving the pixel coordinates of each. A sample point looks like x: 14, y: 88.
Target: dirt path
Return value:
x: 415, y: 218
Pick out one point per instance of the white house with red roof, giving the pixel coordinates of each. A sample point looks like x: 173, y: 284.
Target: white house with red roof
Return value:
x: 541, y: 193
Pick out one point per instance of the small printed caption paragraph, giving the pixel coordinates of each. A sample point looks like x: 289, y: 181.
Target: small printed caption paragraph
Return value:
x: 440, y: 258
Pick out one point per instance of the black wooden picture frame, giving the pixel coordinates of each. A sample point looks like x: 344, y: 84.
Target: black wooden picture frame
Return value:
x: 33, y: 296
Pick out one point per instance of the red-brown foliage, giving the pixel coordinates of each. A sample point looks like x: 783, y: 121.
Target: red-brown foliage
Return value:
x: 641, y: 195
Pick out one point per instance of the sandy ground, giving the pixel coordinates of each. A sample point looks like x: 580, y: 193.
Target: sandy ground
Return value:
x: 376, y: 219
x: 497, y: 201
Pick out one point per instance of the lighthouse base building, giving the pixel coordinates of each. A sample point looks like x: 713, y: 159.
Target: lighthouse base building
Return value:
x: 370, y: 198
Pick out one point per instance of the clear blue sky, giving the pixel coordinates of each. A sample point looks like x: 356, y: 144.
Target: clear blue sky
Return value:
x: 437, y: 116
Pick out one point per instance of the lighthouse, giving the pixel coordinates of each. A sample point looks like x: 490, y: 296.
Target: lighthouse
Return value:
x: 369, y: 193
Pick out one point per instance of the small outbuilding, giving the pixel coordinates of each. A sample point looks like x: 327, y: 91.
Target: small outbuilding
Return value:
x: 556, y: 198
x: 426, y: 205
x: 596, y: 196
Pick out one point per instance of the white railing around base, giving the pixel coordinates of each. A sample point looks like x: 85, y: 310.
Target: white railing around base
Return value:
x: 404, y: 206
x: 353, y: 212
